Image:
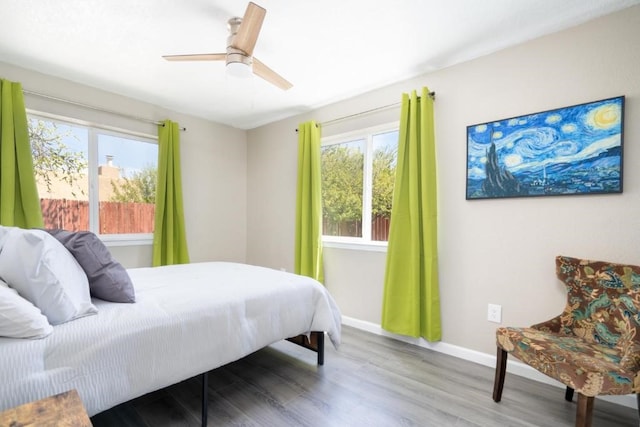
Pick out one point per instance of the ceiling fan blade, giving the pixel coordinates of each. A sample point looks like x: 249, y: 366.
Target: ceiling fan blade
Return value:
x: 197, y: 57
x: 269, y: 75
x: 247, y: 35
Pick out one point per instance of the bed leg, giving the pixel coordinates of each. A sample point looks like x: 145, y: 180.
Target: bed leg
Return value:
x: 205, y: 398
x: 320, y: 348
x: 314, y: 341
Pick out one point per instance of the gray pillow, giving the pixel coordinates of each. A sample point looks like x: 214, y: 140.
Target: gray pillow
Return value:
x: 108, y: 279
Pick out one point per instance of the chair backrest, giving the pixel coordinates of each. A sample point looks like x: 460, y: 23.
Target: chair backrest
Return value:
x: 603, y: 301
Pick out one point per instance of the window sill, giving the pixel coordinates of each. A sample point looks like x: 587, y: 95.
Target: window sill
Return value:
x: 127, y: 239
x: 367, y: 247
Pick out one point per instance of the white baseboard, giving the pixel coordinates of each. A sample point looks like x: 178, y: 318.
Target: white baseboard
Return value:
x: 513, y: 366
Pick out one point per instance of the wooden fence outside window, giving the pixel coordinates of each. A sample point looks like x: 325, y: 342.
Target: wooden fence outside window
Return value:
x: 115, y: 217
x: 379, y: 228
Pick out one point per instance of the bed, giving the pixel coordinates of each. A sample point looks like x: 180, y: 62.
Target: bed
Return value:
x: 186, y: 320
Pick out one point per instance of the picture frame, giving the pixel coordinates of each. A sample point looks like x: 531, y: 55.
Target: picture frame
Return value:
x: 573, y: 150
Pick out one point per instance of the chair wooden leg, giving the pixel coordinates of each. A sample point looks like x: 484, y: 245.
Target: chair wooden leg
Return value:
x: 585, y: 411
x: 501, y: 368
x: 568, y: 394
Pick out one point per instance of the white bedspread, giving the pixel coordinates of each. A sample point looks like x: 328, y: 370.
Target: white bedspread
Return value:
x: 188, y: 319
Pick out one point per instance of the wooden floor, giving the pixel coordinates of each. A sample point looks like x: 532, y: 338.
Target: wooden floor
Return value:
x: 370, y: 381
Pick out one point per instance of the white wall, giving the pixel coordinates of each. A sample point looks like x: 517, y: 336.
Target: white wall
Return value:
x: 213, y: 160
x: 491, y: 251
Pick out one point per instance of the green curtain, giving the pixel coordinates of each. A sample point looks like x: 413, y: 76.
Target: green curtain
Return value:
x: 411, y: 302
x: 19, y: 200
x: 169, y: 237
x: 308, y: 256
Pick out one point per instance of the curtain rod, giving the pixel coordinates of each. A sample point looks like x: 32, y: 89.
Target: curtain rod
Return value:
x: 432, y: 95
x: 91, y: 107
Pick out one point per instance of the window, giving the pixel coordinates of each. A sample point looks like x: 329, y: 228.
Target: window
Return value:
x: 94, y: 179
x: 358, y: 173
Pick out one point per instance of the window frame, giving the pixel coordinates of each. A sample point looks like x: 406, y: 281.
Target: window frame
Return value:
x: 367, y: 134
x: 93, y: 132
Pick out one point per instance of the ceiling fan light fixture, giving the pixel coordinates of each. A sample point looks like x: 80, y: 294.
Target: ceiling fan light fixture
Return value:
x: 239, y: 64
x: 239, y: 70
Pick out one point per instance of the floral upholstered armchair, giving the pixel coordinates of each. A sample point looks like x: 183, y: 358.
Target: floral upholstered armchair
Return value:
x: 593, y: 347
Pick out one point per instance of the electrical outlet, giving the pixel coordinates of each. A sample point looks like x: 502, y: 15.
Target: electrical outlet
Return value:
x: 494, y: 313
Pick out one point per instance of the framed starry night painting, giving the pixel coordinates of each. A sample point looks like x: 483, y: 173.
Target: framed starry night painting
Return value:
x: 566, y: 151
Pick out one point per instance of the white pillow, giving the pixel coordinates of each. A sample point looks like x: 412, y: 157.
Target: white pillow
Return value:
x: 19, y: 318
x: 42, y: 271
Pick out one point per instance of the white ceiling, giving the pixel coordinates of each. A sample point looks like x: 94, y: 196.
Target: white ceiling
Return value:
x: 330, y: 50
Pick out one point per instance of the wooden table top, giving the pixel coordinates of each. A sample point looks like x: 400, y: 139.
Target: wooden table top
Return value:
x: 62, y: 410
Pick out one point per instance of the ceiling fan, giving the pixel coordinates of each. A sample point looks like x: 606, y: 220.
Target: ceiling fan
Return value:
x: 243, y: 34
